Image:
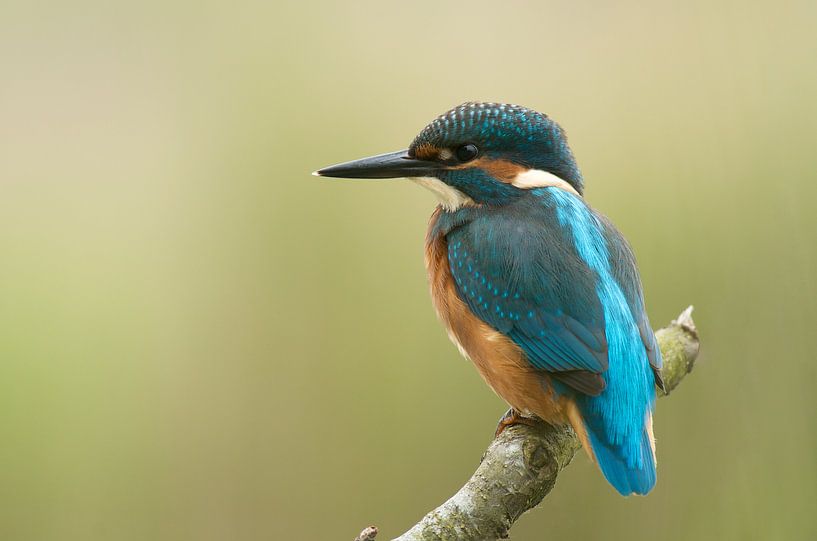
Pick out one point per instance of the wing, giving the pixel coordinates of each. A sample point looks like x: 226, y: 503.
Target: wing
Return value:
x: 520, y: 274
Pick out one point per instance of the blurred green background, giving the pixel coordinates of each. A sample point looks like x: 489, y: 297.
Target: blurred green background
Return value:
x: 198, y: 340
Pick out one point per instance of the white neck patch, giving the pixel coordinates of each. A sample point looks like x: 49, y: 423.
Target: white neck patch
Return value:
x: 450, y: 198
x: 536, y: 178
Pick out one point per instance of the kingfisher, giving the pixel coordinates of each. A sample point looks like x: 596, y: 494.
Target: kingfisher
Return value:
x: 537, y: 289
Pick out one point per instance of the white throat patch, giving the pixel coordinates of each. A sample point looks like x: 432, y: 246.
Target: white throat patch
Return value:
x: 450, y: 198
x: 536, y: 178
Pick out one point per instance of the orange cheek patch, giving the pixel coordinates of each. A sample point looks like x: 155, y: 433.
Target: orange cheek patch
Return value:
x: 501, y: 170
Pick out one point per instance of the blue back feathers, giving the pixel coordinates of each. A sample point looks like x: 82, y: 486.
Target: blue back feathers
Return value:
x: 559, y: 280
x: 616, y: 418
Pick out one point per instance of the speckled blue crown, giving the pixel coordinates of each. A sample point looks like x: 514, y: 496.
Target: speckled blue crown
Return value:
x: 526, y: 136
x: 485, y: 122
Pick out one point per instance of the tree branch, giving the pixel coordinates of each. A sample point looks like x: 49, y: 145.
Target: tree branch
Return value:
x: 520, y: 466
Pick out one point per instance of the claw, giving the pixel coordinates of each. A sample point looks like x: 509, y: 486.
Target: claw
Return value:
x: 511, y: 417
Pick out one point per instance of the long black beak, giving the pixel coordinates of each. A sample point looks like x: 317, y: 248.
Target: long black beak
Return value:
x: 392, y: 165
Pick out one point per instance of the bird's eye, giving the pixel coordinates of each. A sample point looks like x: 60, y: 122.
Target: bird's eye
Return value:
x: 467, y: 152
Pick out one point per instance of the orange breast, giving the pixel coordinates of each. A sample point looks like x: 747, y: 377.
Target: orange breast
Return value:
x: 500, y: 362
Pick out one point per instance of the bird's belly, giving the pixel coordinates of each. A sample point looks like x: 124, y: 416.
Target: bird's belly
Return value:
x: 506, y: 373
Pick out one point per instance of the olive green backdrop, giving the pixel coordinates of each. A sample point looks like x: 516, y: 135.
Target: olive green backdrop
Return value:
x: 199, y: 340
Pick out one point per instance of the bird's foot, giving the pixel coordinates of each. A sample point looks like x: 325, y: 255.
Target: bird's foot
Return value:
x: 512, y: 417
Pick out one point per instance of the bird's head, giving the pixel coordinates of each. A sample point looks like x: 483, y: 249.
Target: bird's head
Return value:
x: 478, y: 153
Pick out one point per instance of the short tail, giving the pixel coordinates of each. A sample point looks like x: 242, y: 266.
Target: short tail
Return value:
x: 628, y: 475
